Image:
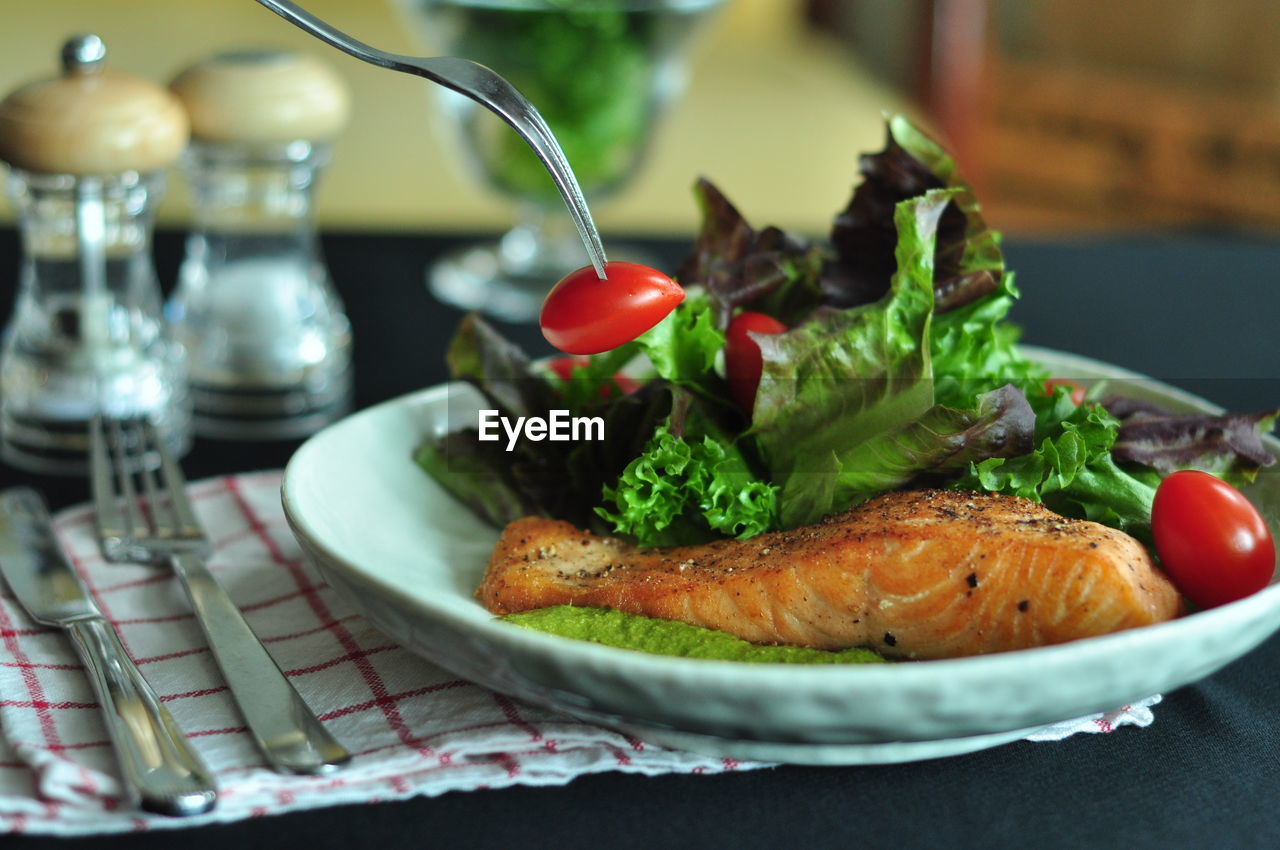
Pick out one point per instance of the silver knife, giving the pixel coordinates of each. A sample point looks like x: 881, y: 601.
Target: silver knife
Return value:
x: 160, y: 770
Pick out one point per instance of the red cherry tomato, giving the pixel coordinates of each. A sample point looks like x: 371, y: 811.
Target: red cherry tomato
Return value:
x: 1211, y: 539
x: 586, y: 315
x: 1077, y: 391
x: 742, y: 360
x: 565, y: 366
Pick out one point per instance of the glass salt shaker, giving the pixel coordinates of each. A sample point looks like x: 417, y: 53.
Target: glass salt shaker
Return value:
x: 87, y: 150
x: 268, y: 343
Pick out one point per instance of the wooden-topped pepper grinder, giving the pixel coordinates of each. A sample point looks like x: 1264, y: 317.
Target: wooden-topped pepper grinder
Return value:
x: 268, y: 342
x: 87, y: 151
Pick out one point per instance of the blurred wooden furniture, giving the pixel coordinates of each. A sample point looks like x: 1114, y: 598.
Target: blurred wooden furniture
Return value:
x: 1148, y: 112
x: 1092, y: 114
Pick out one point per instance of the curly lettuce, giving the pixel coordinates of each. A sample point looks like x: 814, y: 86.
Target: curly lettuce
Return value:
x: 1072, y: 472
x: 684, y: 489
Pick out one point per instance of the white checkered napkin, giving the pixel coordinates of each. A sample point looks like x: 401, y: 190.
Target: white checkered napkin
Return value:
x: 415, y: 729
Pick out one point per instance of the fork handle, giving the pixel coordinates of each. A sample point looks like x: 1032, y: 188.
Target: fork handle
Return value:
x: 287, y: 732
x: 303, y: 19
x: 157, y: 764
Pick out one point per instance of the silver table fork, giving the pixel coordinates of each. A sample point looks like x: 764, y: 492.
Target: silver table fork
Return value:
x: 285, y: 729
x: 486, y: 88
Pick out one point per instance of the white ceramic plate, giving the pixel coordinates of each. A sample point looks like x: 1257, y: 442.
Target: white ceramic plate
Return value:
x: 409, y: 557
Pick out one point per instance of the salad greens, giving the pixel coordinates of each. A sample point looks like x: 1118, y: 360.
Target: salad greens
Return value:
x: 1072, y: 471
x: 899, y: 367
x: 859, y: 383
x: 1229, y: 446
x: 734, y: 264
x: 678, y: 488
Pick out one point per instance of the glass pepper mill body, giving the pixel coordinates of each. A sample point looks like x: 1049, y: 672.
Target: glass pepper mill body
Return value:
x: 87, y: 337
x: 268, y: 343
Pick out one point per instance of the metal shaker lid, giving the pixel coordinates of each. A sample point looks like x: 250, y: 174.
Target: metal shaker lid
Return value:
x: 91, y: 120
x: 263, y: 96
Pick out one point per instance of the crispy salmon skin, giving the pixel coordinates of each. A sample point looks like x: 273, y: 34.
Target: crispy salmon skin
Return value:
x: 915, y: 574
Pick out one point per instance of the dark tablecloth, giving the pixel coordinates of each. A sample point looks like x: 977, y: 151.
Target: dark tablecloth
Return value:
x: 1194, y: 310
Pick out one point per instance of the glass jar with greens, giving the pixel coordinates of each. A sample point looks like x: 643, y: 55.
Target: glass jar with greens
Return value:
x: 600, y: 72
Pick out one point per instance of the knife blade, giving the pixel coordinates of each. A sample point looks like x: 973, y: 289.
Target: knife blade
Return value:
x: 160, y: 770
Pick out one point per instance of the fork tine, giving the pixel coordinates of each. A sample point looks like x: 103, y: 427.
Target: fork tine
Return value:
x: 175, y: 483
x: 161, y: 515
x: 490, y: 89
x: 136, y: 522
x: 566, y: 182
x: 106, y: 507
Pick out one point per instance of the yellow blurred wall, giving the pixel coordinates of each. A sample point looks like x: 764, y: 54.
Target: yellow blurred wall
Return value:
x: 774, y: 115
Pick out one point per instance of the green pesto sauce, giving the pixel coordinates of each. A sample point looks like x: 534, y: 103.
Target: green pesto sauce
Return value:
x: 668, y: 637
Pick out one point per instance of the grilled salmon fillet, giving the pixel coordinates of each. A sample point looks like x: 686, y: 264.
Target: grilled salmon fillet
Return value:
x: 914, y: 574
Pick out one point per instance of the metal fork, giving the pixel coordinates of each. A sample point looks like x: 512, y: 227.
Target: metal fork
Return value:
x: 483, y: 86
x: 286, y: 731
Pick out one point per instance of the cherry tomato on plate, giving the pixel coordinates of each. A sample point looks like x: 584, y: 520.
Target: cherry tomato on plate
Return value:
x: 564, y: 367
x: 586, y: 315
x: 1077, y: 390
x: 1212, y: 541
x: 742, y: 359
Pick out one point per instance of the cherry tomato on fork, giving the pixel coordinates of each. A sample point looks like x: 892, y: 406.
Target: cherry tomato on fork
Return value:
x: 1077, y: 390
x: 586, y: 315
x: 1211, y: 540
x: 743, y: 362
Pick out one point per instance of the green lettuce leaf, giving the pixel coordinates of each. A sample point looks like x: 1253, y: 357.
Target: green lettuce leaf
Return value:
x: 498, y: 368
x: 472, y: 472
x: 974, y: 348
x: 968, y: 262
x: 683, y: 346
x: 1072, y: 472
x: 689, y: 489
x: 846, y: 376
x: 942, y: 440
